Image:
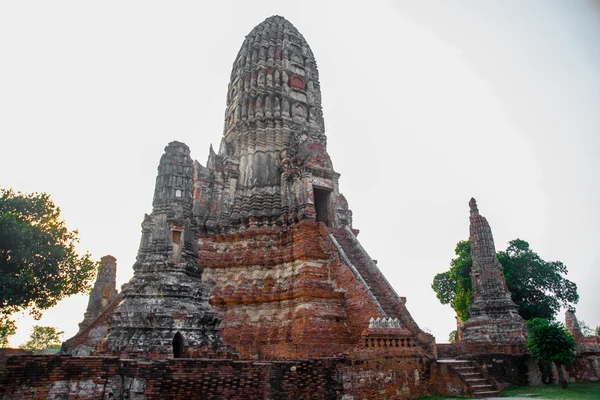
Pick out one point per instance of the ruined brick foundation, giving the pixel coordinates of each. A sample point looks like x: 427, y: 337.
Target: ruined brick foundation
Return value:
x: 60, y: 377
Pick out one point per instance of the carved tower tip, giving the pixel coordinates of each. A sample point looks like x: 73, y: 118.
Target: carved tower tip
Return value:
x: 473, y: 207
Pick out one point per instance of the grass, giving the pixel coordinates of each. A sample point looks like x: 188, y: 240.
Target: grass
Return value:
x: 441, y: 398
x: 584, y: 390
x: 575, y: 391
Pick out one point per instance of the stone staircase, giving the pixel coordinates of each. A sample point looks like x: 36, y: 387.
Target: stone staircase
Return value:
x: 369, y: 272
x: 472, y: 374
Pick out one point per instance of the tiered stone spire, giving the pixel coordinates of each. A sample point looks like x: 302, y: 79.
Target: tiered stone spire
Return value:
x: 104, y: 291
x: 165, y: 305
x: 273, y: 149
x: 493, y: 314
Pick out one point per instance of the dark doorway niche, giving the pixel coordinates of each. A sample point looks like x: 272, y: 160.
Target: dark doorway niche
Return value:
x: 322, y: 204
x: 178, y: 346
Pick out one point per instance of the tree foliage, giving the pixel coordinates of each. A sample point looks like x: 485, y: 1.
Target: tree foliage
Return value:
x: 538, y: 287
x: 452, y: 336
x: 38, y: 262
x: 43, y: 337
x: 550, y: 342
x: 7, y: 329
x: 454, y: 286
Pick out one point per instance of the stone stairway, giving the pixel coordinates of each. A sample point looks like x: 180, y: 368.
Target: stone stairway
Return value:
x: 472, y: 374
x: 369, y: 272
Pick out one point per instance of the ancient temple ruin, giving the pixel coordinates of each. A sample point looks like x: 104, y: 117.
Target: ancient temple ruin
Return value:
x: 494, y: 317
x: 250, y: 281
x: 254, y: 254
x: 251, y: 263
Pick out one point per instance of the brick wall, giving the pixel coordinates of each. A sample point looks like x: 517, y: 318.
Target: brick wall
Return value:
x: 61, y: 377
x: 64, y: 377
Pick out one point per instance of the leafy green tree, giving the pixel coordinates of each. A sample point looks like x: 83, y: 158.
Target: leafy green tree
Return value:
x: 38, y: 262
x: 551, y: 342
x: 454, y: 286
x: 7, y: 329
x: 42, y: 337
x: 598, y: 331
x: 452, y: 337
x: 538, y: 287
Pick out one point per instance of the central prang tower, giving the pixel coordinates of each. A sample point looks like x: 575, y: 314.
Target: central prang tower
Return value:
x: 254, y: 255
x: 272, y: 168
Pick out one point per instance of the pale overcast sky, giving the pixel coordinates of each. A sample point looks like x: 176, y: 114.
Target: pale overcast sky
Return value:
x: 426, y: 104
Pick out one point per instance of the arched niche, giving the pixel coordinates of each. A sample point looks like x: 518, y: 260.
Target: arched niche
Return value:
x: 178, y: 346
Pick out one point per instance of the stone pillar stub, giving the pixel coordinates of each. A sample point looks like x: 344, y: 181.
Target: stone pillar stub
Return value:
x: 103, y: 292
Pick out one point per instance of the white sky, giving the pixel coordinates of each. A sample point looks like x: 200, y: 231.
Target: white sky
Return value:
x: 426, y: 104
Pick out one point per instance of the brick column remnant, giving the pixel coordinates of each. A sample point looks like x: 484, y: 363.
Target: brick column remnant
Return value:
x: 572, y: 324
x: 588, y: 345
x: 104, y: 291
x: 494, y: 317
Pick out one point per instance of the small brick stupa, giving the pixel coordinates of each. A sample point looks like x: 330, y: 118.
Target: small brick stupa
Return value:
x: 494, y: 317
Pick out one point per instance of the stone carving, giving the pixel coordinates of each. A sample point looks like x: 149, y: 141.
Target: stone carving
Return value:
x: 494, y: 317
x: 384, y: 323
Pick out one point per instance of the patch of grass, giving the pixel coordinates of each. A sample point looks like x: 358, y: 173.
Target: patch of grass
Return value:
x: 584, y: 390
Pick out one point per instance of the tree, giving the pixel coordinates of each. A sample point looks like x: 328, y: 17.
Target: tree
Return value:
x: 38, y: 262
x: 42, y: 337
x: 7, y: 329
x: 452, y: 337
x: 538, y: 287
x: 598, y: 331
x: 551, y: 342
x: 454, y: 286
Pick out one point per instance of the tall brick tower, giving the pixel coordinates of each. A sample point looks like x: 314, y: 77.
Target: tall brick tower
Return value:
x: 494, y: 317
